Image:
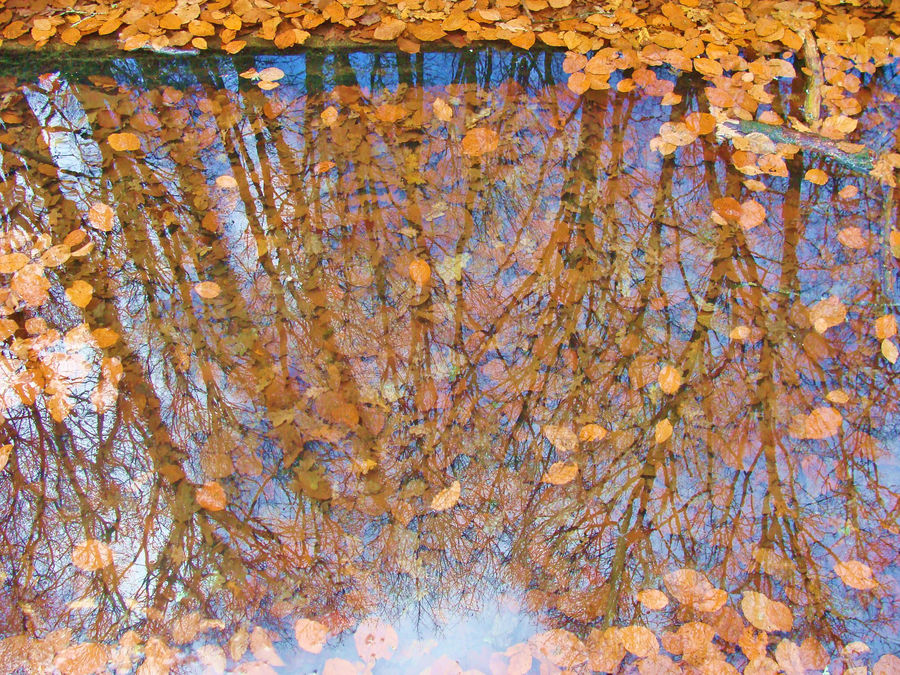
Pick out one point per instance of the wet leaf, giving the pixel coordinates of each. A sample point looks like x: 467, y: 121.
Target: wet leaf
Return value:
x: 885, y: 327
x: 590, y: 433
x: 311, y: 635
x: 124, y: 142
x: 605, y: 649
x: 765, y: 614
x: 5, y: 452
x: 856, y: 574
x: 446, y: 498
x: 816, y: 176
x: 560, y: 473
x: 211, y: 496
x: 207, y: 289
x: 101, y: 216
x: 92, y: 555
x: 442, y: 110
x: 419, y: 272
x: 889, y: 351
x: 653, y: 599
x: 262, y: 647
x: 853, y: 237
x: 559, y: 647
x: 480, y: 141
x: 669, y: 379
x: 226, y: 181
x: 663, y: 431
x: 827, y: 313
x: 80, y: 293
x: 12, y: 262
x: 823, y: 422
x: 889, y: 664
x: 639, y: 640
x: 375, y: 639
x: 562, y: 437
x: 83, y: 659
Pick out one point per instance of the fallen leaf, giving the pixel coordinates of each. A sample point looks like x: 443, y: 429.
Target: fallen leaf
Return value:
x: 856, y: 574
x: 270, y: 74
x: 442, y: 110
x: 827, y: 313
x: 80, y: 293
x: 211, y: 496
x: 207, y: 289
x: 226, y: 182
x: 82, y: 659
x: 823, y: 422
x: 639, y: 640
x: 592, y: 432
x: 560, y: 647
x: 669, y: 379
x: 12, y: 262
x: 853, y: 237
x: 765, y: 614
x: 5, y: 452
x: 480, y: 141
x: 663, y: 431
x: 419, y: 272
x: 816, y: 176
x: 124, y: 142
x: 447, y: 498
x: 885, y: 327
x: 560, y: 473
x: 375, y: 639
x: 653, y: 599
x: 311, y: 635
x: 101, y: 216
x: 561, y: 436
x: 889, y: 350
x: 262, y: 647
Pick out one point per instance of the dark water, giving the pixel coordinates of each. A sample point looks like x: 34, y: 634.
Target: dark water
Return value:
x: 573, y: 297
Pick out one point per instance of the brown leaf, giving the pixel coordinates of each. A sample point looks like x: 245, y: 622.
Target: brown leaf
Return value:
x: 211, y: 496
x: 92, y: 555
x: 311, y: 635
x: 856, y: 574
x: 480, y: 141
x: 447, y: 498
x: 562, y: 437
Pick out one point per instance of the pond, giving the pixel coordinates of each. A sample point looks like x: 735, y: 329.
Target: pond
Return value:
x: 359, y: 359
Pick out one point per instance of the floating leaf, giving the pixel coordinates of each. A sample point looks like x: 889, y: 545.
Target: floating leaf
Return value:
x: 562, y: 437
x: 752, y: 215
x: 5, y: 452
x: 765, y: 614
x: 856, y: 574
x: 653, y: 599
x: 853, y: 237
x: 262, y: 647
x: 12, y: 262
x: 207, y: 289
x: 639, y: 640
x: 124, y: 142
x: 560, y: 473
x: 823, y: 422
x: 663, y: 431
x: 270, y: 74
x: 669, y: 379
x: 442, y: 110
x: 101, y: 216
x: 211, y: 496
x: 92, y: 555
x: 480, y: 141
x: 375, y: 639
x: 827, y: 313
x: 739, y: 333
x: 81, y: 659
x: 419, y: 272
x: 80, y: 293
x: 226, y: 181
x: 447, y: 498
x: 311, y: 635
x: 592, y: 432
x: 885, y: 327
x: 816, y: 176
x: 889, y: 351
x: 560, y: 647
x: 329, y: 116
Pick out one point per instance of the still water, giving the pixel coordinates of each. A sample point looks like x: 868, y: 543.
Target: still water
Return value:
x: 407, y: 362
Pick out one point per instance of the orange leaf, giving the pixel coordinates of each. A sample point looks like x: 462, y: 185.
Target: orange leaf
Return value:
x: 479, y: 141
x: 560, y: 473
x: 311, y: 635
x: 816, y: 176
x: 270, y: 74
x: 211, y: 496
x: 827, y: 313
x: 669, y: 379
x: 442, y: 110
x: 447, y: 498
x: 389, y: 28
x: 226, y: 182
x: 124, y: 142
x: 375, y: 639
x: 592, y: 432
x: 889, y: 351
x: 652, y: 599
x: 80, y: 293
x: 639, y: 640
x: 856, y: 574
x: 12, y: 262
x: 663, y: 431
x: 92, y: 555
x: 752, y: 215
x: 579, y: 82
x: 823, y: 422
x: 885, y: 327
x: 419, y: 272
x: 207, y: 289
x: 765, y: 614
x: 853, y: 237
x: 100, y: 216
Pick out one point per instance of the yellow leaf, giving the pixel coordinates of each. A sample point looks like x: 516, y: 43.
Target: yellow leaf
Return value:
x: 4, y: 455
x: 765, y: 614
x: 560, y: 473
x: 207, y: 289
x: 124, y: 142
x: 270, y: 74
x: 669, y: 379
x: 447, y: 498
x: 889, y: 350
x: 92, y: 555
x: 885, y: 327
x: 226, y: 182
x: 739, y: 333
x: 837, y: 396
x: 442, y: 110
x: 12, y: 262
x: 211, y: 496
x: 639, y: 640
x: 653, y: 599
x: 823, y: 422
x: 663, y: 431
x: 329, y: 116
x: 80, y: 293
